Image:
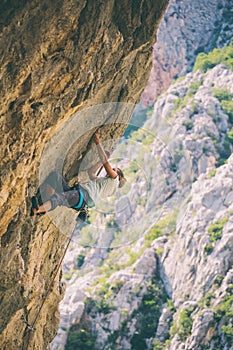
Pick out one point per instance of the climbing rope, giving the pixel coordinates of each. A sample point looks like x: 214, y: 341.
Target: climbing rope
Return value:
x: 31, y: 327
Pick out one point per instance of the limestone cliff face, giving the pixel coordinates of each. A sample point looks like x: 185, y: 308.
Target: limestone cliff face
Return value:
x: 57, y: 57
x: 188, y: 27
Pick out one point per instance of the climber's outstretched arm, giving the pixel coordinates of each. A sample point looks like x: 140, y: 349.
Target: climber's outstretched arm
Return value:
x: 92, y: 171
x: 103, y: 158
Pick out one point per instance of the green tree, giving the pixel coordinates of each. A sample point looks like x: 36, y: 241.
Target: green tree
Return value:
x: 219, y: 55
x: 80, y: 339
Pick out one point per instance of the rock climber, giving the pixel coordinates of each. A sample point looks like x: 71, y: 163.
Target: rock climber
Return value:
x: 56, y: 192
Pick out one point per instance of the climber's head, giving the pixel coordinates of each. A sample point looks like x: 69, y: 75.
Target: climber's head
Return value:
x: 122, y: 179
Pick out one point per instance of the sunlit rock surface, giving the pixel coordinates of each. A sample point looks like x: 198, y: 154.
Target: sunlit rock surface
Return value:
x: 57, y: 57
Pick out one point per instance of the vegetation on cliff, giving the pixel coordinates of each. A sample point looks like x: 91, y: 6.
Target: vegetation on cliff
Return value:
x: 172, y: 287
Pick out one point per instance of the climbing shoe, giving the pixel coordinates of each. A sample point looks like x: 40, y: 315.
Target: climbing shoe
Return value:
x: 34, y: 206
x: 34, y: 203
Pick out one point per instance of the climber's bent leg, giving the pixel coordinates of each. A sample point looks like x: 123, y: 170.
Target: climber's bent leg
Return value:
x: 68, y: 199
x: 54, y: 182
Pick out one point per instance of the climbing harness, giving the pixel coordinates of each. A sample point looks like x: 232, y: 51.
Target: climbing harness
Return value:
x: 81, y: 200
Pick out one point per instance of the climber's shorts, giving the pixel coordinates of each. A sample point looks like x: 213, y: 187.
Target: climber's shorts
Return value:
x: 68, y: 199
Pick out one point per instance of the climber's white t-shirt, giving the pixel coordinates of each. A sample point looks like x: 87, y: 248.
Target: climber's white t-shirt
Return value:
x: 101, y: 188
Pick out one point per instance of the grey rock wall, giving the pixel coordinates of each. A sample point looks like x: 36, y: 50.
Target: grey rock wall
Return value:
x: 188, y: 27
x: 192, y: 268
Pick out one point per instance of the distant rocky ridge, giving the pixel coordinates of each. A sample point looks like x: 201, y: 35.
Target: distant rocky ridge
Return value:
x: 188, y: 27
x: 172, y: 289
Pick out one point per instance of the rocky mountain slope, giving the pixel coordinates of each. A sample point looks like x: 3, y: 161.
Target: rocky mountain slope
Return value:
x: 188, y: 27
x: 56, y: 59
x: 165, y: 278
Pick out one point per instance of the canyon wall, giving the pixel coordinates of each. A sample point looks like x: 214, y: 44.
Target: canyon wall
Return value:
x: 164, y: 279
x: 186, y: 29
